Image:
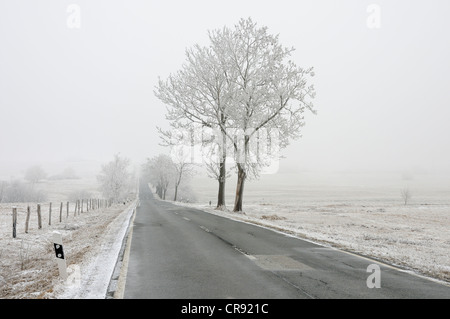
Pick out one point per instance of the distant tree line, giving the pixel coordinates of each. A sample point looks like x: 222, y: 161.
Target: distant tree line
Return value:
x: 164, y: 171
x: 17, y: 191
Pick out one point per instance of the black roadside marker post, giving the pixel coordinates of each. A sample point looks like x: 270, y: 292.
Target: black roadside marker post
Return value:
x: 59, y: 253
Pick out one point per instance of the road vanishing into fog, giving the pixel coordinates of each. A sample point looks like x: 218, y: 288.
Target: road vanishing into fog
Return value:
x: 184, y: 253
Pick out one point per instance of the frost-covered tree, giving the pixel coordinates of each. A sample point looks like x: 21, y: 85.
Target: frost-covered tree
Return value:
x: 160, y: 171
x: 198, y: 97
x: 406, y: 195
x: 17, y: 191
x: 246, y: 88
x: 115, y: 178
x: 184, y: 168
x: 269, y: 91
x: 34, y: 174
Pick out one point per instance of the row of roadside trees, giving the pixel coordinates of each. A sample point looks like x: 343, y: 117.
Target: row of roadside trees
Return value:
x: 163, y: 170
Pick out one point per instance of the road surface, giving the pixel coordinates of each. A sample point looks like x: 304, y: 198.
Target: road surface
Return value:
x: 184, y: 253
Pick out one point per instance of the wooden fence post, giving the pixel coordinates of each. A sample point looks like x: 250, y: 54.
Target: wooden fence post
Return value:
x: 50, y: 214
x: 75, y: 211
x: 39, y: 216
x: 82, y: 204
x: 28, y: 219
x: 67, y: 208
x: 14, y: 216
x: 60, y: 212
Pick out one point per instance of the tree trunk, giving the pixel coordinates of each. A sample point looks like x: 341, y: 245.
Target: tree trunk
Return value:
x: 177, y: 183
x: 239, y: 189
x: 222, y: 174
x: 176, y: 192
x: 221, y: 193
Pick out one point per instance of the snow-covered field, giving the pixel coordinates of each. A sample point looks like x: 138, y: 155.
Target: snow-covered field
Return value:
x: 362, y: 213
x: 363, y: 217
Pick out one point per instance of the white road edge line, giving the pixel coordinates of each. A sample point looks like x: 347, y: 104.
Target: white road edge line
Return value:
x: 120, y: 290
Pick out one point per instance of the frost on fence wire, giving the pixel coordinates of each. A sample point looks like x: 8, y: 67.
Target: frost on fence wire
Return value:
x: 207, y: 145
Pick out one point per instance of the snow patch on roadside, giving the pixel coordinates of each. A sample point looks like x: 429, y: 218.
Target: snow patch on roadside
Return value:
x: 91, y: 241
x: 98, y: 264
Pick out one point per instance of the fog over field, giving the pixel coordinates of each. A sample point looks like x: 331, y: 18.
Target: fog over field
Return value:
x: 76, y: 92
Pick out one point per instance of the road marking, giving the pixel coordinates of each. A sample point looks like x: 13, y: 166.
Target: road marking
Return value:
x: 205, y: 229
x: 240, y: 250
x: 278, y: 263
x: 186, y: 219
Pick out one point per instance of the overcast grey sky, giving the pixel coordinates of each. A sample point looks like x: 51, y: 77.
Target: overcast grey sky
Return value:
x: 383, y: 96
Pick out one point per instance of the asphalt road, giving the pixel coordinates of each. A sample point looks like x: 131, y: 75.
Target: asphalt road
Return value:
x: 184, y: 253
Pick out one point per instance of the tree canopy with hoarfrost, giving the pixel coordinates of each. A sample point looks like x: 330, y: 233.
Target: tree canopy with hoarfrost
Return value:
x: 115, y: 179
x: 245, y: 88
x: 160, y: 171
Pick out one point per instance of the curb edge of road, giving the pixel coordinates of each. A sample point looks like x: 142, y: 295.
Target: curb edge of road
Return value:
x: 113, y: 286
